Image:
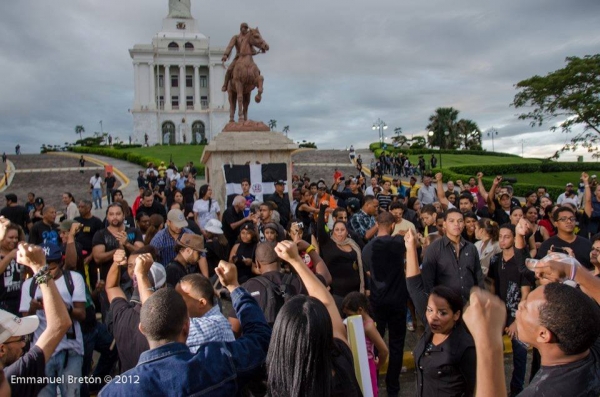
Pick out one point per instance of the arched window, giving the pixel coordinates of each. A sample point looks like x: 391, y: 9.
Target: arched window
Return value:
x: 189, y: 46
x: 173, y: 46
x: 168, y: 133
x: 198, y: 133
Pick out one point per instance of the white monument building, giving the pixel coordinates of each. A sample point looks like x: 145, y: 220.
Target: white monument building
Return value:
x: 178, y: 80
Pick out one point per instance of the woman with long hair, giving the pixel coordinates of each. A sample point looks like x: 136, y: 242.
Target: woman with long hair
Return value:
x: 205, y: 208
x: 546, y: 210
x: 157, y: 223
x: 343, y: 258
x: 309, y: 354
x: 242, y: 253
x: 487, y: 246
x: 445, y: 355
x: 304, y: 213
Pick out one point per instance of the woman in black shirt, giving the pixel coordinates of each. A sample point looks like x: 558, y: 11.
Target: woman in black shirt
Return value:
x: 242, y: 254
x: 445, y: 357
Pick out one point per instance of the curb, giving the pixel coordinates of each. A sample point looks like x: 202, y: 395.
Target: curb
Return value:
x: 7, y: 171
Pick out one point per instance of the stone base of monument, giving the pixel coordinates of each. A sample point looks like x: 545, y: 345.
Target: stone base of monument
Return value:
x: 247, y: 126
x: 244, y: 147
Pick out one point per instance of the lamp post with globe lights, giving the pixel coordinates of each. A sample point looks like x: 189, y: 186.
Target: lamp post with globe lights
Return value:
x: 446, y: 133
x: 381, y: 126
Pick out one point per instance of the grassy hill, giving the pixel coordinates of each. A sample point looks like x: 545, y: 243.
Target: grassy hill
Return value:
x: 180, y: 154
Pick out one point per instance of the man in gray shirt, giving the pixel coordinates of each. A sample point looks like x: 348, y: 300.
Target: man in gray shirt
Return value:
x: 427, y: 194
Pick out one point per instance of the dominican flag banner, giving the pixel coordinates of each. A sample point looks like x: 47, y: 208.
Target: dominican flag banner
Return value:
x: 262, y: 179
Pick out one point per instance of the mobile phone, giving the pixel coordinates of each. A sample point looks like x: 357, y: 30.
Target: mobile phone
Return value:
x: 560, y: 249
x: 342, y: 178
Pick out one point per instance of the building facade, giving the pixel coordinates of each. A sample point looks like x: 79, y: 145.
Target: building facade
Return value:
x: 177, y: 84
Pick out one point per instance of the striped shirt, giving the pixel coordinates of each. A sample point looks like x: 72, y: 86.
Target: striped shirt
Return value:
x: 165, y: 244
x: 211, y: 327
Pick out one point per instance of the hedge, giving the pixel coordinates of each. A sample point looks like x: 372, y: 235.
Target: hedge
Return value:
x: 123, y: 155
x: 376, y: 149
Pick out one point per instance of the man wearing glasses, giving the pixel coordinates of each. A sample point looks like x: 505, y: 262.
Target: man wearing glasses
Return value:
x: 566, y: 240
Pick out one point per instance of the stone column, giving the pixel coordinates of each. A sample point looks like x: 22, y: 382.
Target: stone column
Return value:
x: 152, y: 77
x: 197, y: 105
x: 136, y: 85
x: 167, y: 84
x: 182, y: 82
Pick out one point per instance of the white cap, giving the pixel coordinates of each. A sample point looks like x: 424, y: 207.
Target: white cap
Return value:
x: 214, y: 226
x: 11, y: 325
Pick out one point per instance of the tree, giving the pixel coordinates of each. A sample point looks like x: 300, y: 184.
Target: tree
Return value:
x: 444, y: 119
x: 418, y: 142
x: 400, y: 140
x: 272, y: 124
x: 79, y: 130
x: 286, y: 129
x: 469, y: 134
x: 571, y: 94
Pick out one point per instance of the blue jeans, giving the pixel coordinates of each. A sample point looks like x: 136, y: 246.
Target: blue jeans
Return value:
x: 56, y: 367
x: 97, y: 198
x: 519, y: 367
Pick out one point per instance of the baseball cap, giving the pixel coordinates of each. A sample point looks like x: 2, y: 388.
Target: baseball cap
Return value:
x: 158, y: 275
x: 214, y: 226
x: 280, y: 182
x: 65, y: 225
x: 321, y: 185
x: 193, y: 241
x: 177, y: 218
x: 247, y: 226
x: 11, y: 325
x: 504, y: 194
x: 265, y: 253
x: 39, y: 201
x: 569, y: 184
x: 353, y: 203
x: 52, y: 251
x: 272, y: 226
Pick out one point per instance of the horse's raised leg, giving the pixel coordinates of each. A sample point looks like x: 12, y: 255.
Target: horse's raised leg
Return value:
x: 259, y: 84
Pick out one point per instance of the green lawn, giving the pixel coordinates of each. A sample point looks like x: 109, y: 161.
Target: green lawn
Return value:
x: 452, y: 160
x: 181, y: 154
x: 554, y: 178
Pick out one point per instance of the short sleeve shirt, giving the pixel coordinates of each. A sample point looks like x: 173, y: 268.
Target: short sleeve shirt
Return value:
x: 130, y: 341
x: 32, y: 364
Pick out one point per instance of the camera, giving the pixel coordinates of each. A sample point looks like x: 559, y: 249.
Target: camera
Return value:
x: 342, y: 178
x: 559, y: 250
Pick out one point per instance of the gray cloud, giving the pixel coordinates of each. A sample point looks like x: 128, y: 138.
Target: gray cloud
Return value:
x: 333, y: 69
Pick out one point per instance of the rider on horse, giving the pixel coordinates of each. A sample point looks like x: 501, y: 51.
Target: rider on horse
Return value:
x: 236, y: 41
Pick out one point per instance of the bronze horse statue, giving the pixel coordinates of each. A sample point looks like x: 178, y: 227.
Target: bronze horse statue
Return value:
x: 246, y: 75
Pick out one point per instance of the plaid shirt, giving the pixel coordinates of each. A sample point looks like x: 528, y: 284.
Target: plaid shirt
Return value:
x: 165, y: 244
x: 211, y: 327
x: 361, y: 222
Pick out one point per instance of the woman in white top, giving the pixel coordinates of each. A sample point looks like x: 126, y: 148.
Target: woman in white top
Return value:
x: 486, y: 231
x: 206, y: 208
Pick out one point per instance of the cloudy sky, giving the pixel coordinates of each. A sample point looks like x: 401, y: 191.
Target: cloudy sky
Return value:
x: 334, y: 67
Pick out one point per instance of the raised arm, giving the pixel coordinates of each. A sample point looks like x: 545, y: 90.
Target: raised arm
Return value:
x: 322, y: 234
x: 113, y: 290
x: 587, y: 201
x: 484, y: 194
x: 416, y: 289
x: 57, y: 316
x: 492, y: 194
x: 143, y: 263
x: 288, y: 252
x: 71, y: 251
x: 440, y: 191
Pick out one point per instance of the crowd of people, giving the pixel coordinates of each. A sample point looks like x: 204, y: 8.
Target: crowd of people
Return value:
x: 180, y: 294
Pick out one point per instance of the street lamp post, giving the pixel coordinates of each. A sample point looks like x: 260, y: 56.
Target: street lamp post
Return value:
x: 491, y: 133
x: 380, y: 125
x: 446, y: 133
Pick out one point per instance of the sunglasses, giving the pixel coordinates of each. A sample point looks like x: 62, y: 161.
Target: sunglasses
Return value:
x: 22, y: 339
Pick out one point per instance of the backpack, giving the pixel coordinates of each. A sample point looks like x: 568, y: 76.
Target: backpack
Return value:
x: 90, y: 311
x: 277, y: 295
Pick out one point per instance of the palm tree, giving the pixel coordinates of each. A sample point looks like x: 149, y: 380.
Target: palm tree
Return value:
x: 442, y: 121
x: 286, y: 129
x: 469, y: 133
x: 398, y: 131
x: 79, y: 130
x: 272, y: 124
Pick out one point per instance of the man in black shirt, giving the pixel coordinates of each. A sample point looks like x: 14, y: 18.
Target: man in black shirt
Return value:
x: 233, y: 218
x: 383, y: 257
x: 90, y: 225
x: 452, y: 261
x: 14, y: 329
x: 512, y: 286
x: 577, y: 246
x: 150, y: 206
x: 189, y: 248
x: 111, y: 186
x: 141, y: 180
x: 282, y: 200
x: 46, y: 230
x: 16, y: 213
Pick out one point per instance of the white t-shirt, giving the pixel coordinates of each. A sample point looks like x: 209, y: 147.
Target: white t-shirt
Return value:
x: 78, y: 296
x: 96, y: 182
x: 203, y: 215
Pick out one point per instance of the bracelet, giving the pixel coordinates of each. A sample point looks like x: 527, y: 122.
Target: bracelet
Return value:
x: 43, y: 276
x: 310, y: 249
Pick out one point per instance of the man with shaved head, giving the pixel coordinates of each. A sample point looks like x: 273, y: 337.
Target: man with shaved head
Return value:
x: 233, y: 218
x: 46, y: 230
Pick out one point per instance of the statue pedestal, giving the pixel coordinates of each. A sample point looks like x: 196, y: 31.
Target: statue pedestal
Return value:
x: 245, y: 147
